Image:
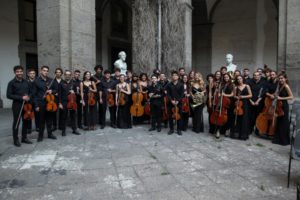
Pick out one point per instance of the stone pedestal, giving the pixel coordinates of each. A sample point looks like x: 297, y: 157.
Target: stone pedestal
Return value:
x: 66, y: 34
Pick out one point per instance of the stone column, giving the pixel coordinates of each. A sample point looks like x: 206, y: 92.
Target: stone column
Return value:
x: 66, y: 33
x: 144, y: 32
x: 176, y: 35
x: 289, y: 41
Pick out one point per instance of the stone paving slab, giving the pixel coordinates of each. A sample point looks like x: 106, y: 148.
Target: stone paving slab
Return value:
x: 135, y: 164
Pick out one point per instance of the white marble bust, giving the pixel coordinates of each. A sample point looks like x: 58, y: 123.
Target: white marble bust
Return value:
x: 120, y: 63
x: 229, y: 63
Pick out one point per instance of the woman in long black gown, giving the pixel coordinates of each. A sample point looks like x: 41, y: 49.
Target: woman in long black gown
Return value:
x: 185, y: 115
x: 198, y: 88
x: 242, y: 93
x: 282, y: 132
x: 123, y: 90
x: 89, y: 111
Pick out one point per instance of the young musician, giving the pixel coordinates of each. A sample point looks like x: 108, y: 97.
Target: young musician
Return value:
x: 175, y: 92
x: 108, y: 90
x: 56, y: 85
x: 186, y: 111
x: 197, y: 93
x: 97, y: 78
x: 227, y: 89
x: 31, y: 74
x: 246, y: 75
x: 181, y: 73
x: 242, y: 93
x: 88, y: 90
x: 66, y: 89
x: 258, y: 89
x: 156, y: 94
x: 77, y: 81
x: 116, y: 75
x: 123, y: 90
x: 135, y: 87
x: 143, y: 84
x: 43, y: 87
x: 282, y: 132
x: 18, y: 90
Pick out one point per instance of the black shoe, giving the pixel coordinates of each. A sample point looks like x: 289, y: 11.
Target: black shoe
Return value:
x: 29, y: 131
x: 63, y: 133
x: 179, y: 132
x: 152, y: 129
x: 51, y: 136
x: 17, y: 143
x: 170, y: 132
x: 113, y: 126
x: 26, y: 141
x: 40, y: 139
x: 102, y: 127
x: 75, y: 132
x: 158, y: 129
x: 53, y: 129
x: 80, y: 127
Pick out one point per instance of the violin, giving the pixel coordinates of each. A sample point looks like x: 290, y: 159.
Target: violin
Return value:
x: 121, y: 98
x: 72, y: 105
x: 51, y: 106
x: 175, y: 113
x: 110, y: 99
x: 238, y: 110
x: 185, y: 104
x: 137, y: 109
x: 91, y: 98
x: 147, y: 110
x: 28, y: 112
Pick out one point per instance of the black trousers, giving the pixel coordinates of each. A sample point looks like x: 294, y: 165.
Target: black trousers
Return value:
x: 36, y: 121
x: 79, y: 111
x: 46, y: 118
x: 254, y: 111
x: 64, y: 113
x: 156, y: 115
x: 185, y: 120
x: 100, y: 115
x: 112, y: 113
x: 16, y: 108
x: 171, y: 120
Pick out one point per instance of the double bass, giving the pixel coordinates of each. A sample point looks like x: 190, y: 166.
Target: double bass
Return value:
x: 266, y: 120
x: 219, y: 116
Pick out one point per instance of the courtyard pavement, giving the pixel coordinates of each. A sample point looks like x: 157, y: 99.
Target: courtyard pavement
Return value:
x: 136, y: 164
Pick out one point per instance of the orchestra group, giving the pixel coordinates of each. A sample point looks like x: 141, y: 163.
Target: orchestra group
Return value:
x: 237, y: 104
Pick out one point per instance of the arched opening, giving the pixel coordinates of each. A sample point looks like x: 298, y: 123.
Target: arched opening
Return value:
x: 248, y: 30
x: 113, y: 31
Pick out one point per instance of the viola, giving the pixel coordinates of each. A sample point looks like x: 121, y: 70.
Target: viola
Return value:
x: 51, y: 106
x: 110, y: 99
x: 147, y: 109
x: 28, y: 112
x: 137, y: 109
x: 71, y: 105
x: 91, y: 98
x: 185, y: 105
x: 175, y: 113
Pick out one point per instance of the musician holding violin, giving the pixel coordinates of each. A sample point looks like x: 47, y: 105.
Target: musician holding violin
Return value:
x: 107, y: 99
x: 44, y: 102
x: 76, y: 80
x: 67, y: 103
x: 185, y: 103
x: 242, y: 94
x: 282, y: 132
x: 88, y: 90
x: 163, y: 81
x: 175, y: 92
x: 56, y: 84
x: 18, y: 90
x: 156, y: 94
x: 123, y: 91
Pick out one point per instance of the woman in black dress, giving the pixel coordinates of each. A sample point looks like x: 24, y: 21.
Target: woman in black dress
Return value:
x: 89, y: 111
x: 198, y: 90
x: 228, y: 92
x: 282, y: 132
x: 134, y: 85
x: 123, y: 91
x: 242, y: 93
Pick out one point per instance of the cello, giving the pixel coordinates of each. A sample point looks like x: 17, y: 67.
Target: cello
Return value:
x: 137, y: 109
x: 219, y: 114
x: 266, y: 120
